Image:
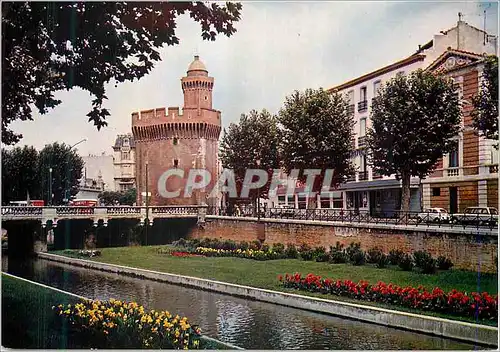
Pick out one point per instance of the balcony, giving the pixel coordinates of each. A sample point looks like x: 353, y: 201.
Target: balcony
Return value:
x: 363, y: 106
x: 362, y: 142
x: 363, y: 176
x: 350, y: 110
x: 453, y: 171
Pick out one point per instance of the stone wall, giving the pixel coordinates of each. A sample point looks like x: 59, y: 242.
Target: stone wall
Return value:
x: 466, y: 251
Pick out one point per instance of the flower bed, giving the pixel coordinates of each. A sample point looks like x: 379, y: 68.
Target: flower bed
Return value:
x: 247, y: 253
x: 184, y: 254
x: 89, y: 253
x: 478, y: 305
x: 117, y: 324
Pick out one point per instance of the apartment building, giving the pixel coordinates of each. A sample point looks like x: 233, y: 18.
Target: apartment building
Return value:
x: 368, y: 191
x: 124, y: 162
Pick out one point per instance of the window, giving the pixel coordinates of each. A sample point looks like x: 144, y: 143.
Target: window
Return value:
x: 376, y: 86
x: 362, y: 127
x: 453, y: 156
x: 281, y: 199
x: 126, y: 142
x: 291, y: 200
x: 436, y: 192
x: 325, y: 201
x: 125, y: 155
x: 176, y: 141
x: 176, y: 163
x: 302, y: 202
x: 362, y: 94
x: 350, y: 97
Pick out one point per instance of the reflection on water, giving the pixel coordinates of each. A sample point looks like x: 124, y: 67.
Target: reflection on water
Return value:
x: 249, y: 324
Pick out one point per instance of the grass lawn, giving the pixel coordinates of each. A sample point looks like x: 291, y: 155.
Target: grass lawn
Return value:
x: 263, y: 274
x: 28, y: 321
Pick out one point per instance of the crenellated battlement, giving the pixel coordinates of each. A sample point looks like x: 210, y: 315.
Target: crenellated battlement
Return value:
x: 155, y: 116
x: 170, y: 130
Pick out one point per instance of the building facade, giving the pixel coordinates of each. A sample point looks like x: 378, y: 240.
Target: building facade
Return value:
x: 99, y: 168
x: 467, y: 176
x: 377, y: 194
x: 124, y: 162
x: 91, y: 188
x: 172, y: 139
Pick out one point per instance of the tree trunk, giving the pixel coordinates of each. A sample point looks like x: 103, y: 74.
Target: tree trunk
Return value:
x: 405, y: 193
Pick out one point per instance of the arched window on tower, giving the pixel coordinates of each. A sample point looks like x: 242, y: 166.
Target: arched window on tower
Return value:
x: 176, y: 141
x: 176, y: 163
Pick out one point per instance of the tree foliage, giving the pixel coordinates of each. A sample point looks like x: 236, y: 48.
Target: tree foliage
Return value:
x: 27, y: 171
x: 414, y: 119
x: 20, y: 174
x: 485, y: 103
x: 67, y: 168
x: 254, y: 138
x: 316, y: 131
x: 122, y: 198
x: 51, y: 46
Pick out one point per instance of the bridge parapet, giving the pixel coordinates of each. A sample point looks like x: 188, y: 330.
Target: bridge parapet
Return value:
x: 96, y: 214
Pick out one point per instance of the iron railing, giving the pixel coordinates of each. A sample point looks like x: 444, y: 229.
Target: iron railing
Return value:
x: 363, y: 106
x: 361, y: 216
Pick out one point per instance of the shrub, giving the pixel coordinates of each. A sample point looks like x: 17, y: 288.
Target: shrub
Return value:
x: 355, y: 254
x: 279, y: 248
x: 337, y: 254
x: 206, y: 242
x: 194, y: 242
x: 406, y: 262
x: 243, y: 245
x: 181, y: 242
x: 358, y: 258
x: 265, y: 248
x: 424, y: 261
x: 444, y: 263
x: 291, y: 251
x: 306, y: 253
x: 373, y: 255
x: 255, y: 245
x: 320, y: 254
x: 229, y: 245
x: 382, y: 261
x: 395, y: 256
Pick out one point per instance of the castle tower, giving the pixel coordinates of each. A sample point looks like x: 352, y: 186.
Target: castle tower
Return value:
x: 167, y: 138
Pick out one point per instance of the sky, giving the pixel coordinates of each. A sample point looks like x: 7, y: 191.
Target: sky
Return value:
x: 279, y: 47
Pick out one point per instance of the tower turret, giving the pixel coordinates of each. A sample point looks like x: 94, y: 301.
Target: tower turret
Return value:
x: 197, y: 87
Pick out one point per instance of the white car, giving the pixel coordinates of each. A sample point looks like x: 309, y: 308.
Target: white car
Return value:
x: 433, y: 215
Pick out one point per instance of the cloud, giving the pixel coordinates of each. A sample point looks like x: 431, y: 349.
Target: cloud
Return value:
x: 279, y: 47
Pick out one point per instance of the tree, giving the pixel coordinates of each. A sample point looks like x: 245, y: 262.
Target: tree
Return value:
x: 67, y: 168
x: 19, y: 175
x: 414, y: 119
x: 254, y: 138
x: 316, y: 131
x: 485, y: 103
x: 123, y: 198
x: 51, y: 46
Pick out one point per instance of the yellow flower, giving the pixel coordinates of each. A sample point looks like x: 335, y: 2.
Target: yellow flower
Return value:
x: 196, y: 343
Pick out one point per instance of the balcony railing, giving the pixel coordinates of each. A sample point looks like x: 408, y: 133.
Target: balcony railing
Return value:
x: 350, y: 109
x: 453, y: 171
x: 362, y: 142
x: 363, y: 106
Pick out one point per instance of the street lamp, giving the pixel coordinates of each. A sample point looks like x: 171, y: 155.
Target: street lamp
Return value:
x: 258, y: 195
x: 67, y: 190
x: 147, y: 202
x: 50, y: 187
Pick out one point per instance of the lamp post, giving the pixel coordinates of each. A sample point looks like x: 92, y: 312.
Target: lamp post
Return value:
x: 258, y: 196
x: 147, y: 203
x: 50, y: 187
x: 66, y: 188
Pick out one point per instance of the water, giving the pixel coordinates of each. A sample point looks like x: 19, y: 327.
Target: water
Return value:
x: 245, y: 323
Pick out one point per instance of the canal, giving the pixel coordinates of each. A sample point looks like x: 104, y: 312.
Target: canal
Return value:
x: 245, y: 323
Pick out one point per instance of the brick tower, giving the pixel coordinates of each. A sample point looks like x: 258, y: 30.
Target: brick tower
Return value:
x: 167, y: 138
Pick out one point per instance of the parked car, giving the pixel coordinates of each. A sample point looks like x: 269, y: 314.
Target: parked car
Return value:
x: 477, y: 216
x: 433, y: 215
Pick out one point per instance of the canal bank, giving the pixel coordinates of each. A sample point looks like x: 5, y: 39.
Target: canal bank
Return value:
x: 246, y: 323
x: 472, y: 333
x: 21, y: 298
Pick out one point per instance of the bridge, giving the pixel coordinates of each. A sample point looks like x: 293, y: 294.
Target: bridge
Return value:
x: 202, y: 212
x: 53, y: 214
